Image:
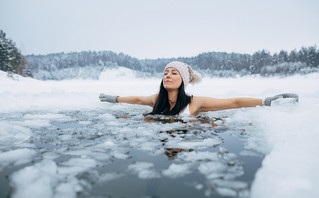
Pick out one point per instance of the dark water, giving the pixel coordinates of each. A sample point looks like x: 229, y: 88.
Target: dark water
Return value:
x: 232, y: 179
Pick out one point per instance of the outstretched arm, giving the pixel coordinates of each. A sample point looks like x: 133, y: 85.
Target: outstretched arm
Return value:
x: 203, y: 104
x: 142, y: 100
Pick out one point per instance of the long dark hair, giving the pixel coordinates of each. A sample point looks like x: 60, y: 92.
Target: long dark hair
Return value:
x: 162, y: 104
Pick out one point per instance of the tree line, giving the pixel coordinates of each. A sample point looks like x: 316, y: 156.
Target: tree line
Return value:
x: 284, y: 63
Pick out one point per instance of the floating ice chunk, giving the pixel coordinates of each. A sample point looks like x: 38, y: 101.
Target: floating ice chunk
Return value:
x: 106, y: 116
x: 248, y: 153
x: 120, y: 154
x: 101, y: 156
x: 144, y: 170
x: 67, y: 190
x: 230, y: 184
x: 50, y: 156
x: 198, y: 156
x: 199, y: 186
x: 11, y: 134
x: 148, y: 145
x: 142, y: 131
x: 226, y: 191
x: 36, y: 123
x: 177, y: 170
x: 85, y: 122
x: 68, y: 186
x: 79, y: 152
x: 105, y: 177
x: 217, y: 165
x: 208, y: 142
x: 115, y: 123
x: 48, y: 116
x: 218, y: 122
x: 244, y: 193
x: 107, y: 144
x: 212, y: 170
x: 196, y: 185
x: 16, y: 157
x: 35, y: 181
x: 98, y: 154
x: 76, y: 165
x: 65, y: 137
x: 230, y: 188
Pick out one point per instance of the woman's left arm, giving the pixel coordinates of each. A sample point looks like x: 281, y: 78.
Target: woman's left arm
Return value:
x: 203, y: 104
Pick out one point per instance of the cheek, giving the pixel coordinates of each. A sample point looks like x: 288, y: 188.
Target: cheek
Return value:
x: 179, y: 79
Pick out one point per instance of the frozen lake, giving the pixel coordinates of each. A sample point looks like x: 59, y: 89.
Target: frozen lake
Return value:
x: 59, y: 140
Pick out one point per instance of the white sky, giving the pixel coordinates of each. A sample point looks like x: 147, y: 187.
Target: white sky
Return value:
x: 161, y: 28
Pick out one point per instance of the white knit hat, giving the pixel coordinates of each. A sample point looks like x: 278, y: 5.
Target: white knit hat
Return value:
x: 188, y: 75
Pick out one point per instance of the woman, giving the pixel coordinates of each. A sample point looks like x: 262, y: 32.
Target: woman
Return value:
x: 172, y: 99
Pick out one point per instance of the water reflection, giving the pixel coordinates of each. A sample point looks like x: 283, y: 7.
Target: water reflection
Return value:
x: 172, y: 152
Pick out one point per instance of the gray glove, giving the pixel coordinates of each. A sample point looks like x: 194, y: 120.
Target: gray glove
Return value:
x: 108, y: 98
x: 267, y: 101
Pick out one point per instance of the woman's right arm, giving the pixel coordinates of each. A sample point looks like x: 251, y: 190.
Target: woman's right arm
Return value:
x: 142, y: 100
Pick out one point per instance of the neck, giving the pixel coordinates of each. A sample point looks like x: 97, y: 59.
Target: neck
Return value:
x: 172, y: 98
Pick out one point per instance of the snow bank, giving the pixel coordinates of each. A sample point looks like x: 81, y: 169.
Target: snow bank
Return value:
x: 291, y: 167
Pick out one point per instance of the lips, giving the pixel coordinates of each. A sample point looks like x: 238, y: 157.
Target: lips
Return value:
x: 167, y: 81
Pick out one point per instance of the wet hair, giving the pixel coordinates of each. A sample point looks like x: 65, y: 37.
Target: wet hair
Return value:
x: 162, y: 106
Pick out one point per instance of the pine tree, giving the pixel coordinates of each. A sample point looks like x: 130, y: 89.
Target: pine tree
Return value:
x: 11, y: 60
x: 4, y: 52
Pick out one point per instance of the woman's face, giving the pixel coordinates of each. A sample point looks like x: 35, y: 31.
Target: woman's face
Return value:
x: 172, y: 79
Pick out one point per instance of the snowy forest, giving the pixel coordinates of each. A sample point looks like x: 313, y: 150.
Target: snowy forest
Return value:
x: 90, y: 64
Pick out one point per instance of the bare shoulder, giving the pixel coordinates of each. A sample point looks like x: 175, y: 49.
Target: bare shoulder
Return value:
x: 146, y: 100
x: 197, y: 104
x: 201, y: 100
x: 153, y: 98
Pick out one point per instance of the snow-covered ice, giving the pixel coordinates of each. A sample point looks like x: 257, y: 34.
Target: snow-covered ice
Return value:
x: 59, y: 140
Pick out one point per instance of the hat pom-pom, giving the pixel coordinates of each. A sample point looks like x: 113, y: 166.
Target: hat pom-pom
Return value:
x: 197, y: 77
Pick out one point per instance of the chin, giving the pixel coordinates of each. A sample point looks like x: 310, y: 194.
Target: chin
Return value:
x: 170, y: 88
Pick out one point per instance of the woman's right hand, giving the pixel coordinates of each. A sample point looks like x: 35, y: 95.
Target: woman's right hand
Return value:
x: 108, y: 98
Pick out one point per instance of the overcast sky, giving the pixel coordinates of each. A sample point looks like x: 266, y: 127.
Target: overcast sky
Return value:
x: 160, y: 28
